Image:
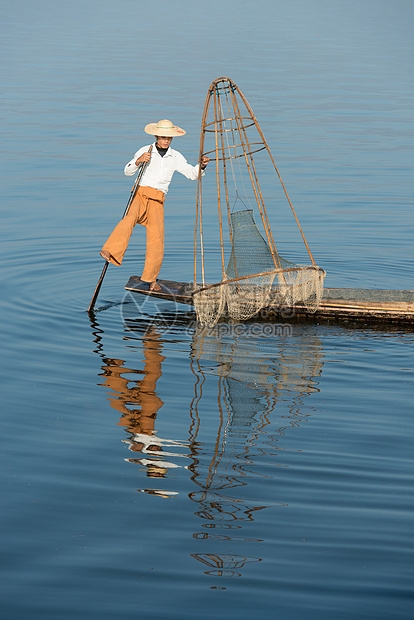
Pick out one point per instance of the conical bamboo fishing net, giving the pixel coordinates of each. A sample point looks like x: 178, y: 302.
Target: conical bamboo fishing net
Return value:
x: 253, y: 274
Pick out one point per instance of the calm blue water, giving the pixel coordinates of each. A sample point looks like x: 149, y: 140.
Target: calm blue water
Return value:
x: 151, y: 469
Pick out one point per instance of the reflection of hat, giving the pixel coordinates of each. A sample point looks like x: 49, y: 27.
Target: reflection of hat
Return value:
x: 164, y: 128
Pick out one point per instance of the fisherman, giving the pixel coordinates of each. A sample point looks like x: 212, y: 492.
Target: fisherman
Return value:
x: 147, y: 206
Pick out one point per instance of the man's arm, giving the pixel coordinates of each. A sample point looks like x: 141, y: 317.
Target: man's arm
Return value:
x: 141, y: 157
x: 189, y: 171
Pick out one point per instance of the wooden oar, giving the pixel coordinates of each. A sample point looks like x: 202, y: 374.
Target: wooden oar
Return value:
x: 131, y: 198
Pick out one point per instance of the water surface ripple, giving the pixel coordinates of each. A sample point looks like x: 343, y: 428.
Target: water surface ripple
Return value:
x: 151, y: 467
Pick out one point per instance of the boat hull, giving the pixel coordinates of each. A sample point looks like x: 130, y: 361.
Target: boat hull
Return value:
x: 338, y: 303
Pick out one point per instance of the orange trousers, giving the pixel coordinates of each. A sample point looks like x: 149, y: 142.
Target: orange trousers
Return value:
x: 147, y: 209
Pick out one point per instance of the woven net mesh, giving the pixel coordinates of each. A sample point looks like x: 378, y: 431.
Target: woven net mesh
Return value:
x: 209, y: 305
x: 255, y: 277
x: 300, y: 286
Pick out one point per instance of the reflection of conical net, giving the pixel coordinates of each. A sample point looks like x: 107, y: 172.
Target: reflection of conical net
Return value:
x: 231, y: 136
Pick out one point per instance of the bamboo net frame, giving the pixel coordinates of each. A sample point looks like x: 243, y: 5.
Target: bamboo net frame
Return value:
x: 229, y: 127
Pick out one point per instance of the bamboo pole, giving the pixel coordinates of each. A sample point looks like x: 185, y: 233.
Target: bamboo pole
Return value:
x: 218, y: 187
x: 199, y: 218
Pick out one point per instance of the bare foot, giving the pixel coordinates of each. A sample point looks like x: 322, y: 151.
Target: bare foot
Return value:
x: 106, y: 255
x: 154, y: 287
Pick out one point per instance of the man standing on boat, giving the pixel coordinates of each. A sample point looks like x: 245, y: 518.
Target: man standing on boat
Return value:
x: 147, y: 207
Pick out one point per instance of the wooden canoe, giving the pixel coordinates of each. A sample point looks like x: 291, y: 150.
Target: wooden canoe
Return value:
x: 337, y: 303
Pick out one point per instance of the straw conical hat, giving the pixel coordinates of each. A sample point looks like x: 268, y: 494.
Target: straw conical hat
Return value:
x: 164, y: 128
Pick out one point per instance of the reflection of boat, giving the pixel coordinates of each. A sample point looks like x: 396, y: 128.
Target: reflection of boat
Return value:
x: 248, y: 395
x: 337, y: 303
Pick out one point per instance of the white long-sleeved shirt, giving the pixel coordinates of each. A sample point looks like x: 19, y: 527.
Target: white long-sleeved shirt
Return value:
x: 160, y: 170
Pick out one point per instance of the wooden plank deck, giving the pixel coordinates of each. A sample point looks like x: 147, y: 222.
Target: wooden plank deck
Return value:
x: 180, y: 292
x: 337, y: 303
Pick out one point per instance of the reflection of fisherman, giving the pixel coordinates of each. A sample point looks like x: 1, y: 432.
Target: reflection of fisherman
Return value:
x: 141, y: 421
x: 147, y: 205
